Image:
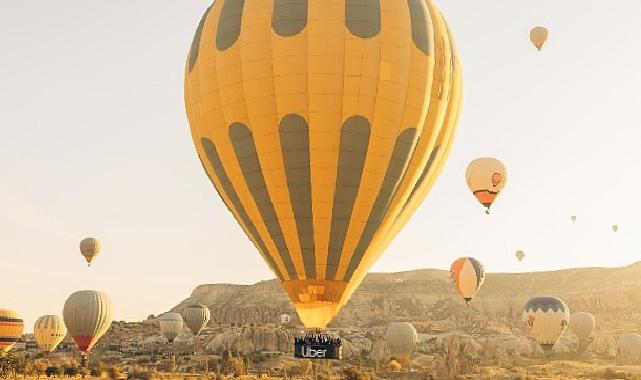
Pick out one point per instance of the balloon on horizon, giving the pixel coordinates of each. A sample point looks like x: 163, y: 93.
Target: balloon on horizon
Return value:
x: 546, y: 319
x: 196, y: 317
x: 171, y: 325
x: 322, y: 160
x: 87, y: 315
x: 11, y: 329
x: 468, y: 275
x: 401, y: 339
x: 49, y: 331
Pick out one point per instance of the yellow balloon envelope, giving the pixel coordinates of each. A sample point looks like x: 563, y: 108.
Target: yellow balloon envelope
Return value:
x: 546, y: 319
x: 486, y: 177
x: 89, y: 248
x: 538, y: 36
x: 50, y: 331
x: 11, y: 328
x: 322, y: 126
x: 520, y: 255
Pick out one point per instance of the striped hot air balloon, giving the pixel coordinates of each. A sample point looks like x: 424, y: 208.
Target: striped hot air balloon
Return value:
x: 50, y: 331
x: 468, y: 274
x: 322, y: 126
x: 196, y: 317
x: 546, y: 319
x: 11, y: 328
x: 171, y: 325
x: 87, y: 315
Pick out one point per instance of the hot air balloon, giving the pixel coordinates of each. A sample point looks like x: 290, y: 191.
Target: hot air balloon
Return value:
x: 615, y: 227
x: 11, y: 328
x: 582, y: 325
x: 520, y: 255
x: 573, y: 218
x: 196, y: 317
x: 538, y: 36
x: 89, y: 248
x: 401, y: 340
x: 50, y: 331
x: 87, y: 315
x: 285, y: 319
x: 629, y: 349
x: 486, y: 177
x: 320, y: 137
x: 171, y: 325
x: 468, y: 274
x: 546, y: 319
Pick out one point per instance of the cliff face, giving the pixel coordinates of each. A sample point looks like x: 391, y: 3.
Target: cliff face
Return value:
x: 427, y: 298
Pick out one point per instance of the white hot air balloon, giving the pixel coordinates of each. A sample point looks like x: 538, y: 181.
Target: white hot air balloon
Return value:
x: 546, y: 319
x: 582, y: 325
x: 401, y: 339
x: 171, y: 325
x: 285, y: 319
x: 50, y: 331
x: 629, y: 349
x: 486, y: 177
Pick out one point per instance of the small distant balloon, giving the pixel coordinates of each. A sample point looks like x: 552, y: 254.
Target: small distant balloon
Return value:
x: 89, y: 248
x: 468, y: 274
x: 582, y: 324
x: 573, y: 218
x: 538, y: 36
x: 401, y: 339
x: 520, y: 255
x: 615, y: 227
x: 285, y: 319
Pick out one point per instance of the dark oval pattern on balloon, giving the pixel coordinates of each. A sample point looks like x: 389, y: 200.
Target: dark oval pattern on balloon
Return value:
x: 195, y: 43
x: 289, y: 17
x: 229, y: 24
x: 363, y: 17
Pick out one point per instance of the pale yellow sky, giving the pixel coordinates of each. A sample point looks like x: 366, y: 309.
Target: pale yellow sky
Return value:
x: 95, y: 142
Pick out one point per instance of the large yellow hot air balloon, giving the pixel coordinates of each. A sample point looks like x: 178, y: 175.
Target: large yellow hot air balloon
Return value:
x: 87, y: 315
x: 468, y: 274
x: 89, y: 248
x: 50, y: 331
x: 486, y: 177
x: 401, y: 340
x: 538, y: 36
x: 322, y: 126
x: 582, y: 325
x: 11, y: 328
x: 196, y: 317
x: 171, y: 325
x: 546, y: 319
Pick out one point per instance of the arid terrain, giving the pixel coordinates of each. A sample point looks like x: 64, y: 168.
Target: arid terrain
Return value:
x: 484, y: 341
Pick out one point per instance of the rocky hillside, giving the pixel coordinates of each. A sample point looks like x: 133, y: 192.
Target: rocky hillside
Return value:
x: 426, y: 297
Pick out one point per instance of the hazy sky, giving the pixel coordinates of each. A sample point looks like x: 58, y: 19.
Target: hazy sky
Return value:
x: 95, y: 141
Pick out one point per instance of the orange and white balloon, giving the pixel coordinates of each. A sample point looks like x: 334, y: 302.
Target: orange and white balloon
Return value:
x: 486, y: 177
x: 468, y: 274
